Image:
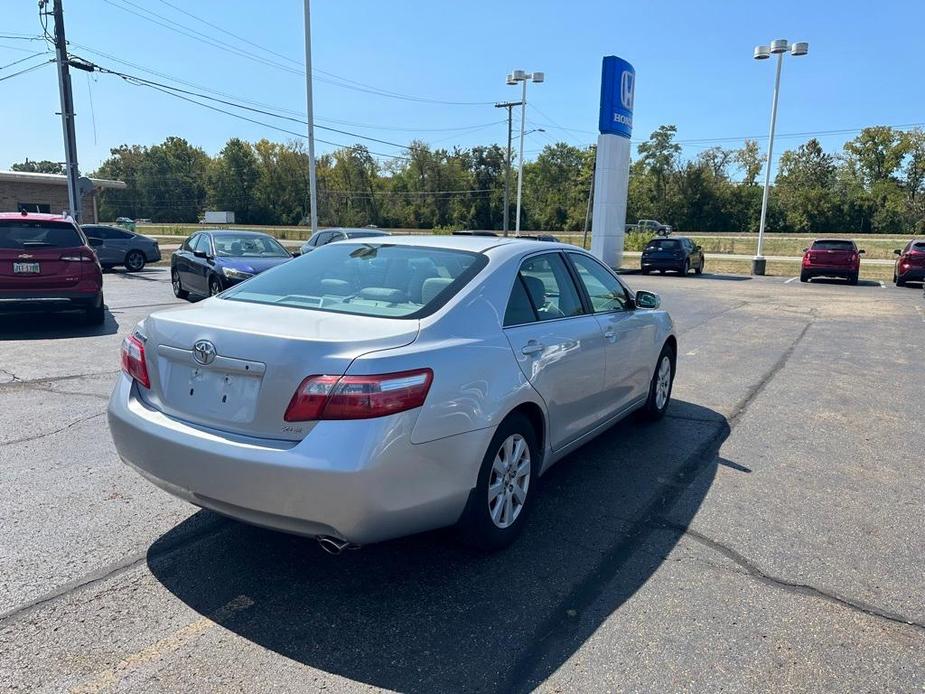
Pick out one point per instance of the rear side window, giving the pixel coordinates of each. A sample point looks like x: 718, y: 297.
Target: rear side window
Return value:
x: 365, y: 279
x: 833, y: 245
x: 24, y: 234
x: 549, y: 287
x: 519, y: 309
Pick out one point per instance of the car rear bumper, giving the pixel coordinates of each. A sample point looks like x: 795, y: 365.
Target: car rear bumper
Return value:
x: 662, y: 263
x: 913, y: 274
x: 153, y: 255
x: 361, y: 481
x: 48, y: 300
x: 829, y: 271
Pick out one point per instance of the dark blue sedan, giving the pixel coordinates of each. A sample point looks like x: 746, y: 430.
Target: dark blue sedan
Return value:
x: 210, y: 261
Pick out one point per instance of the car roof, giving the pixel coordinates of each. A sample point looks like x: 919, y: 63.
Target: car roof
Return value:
x: 353, y: 230
x: 36, y: 216
x: 475, y: 244
x: 831, y: 240
x: 236, y: 232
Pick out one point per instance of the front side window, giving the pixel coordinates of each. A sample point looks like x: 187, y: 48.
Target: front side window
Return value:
x: 549, y: 287
x: 392, y: 281
x: 604, y: 290
x: 201, y: 244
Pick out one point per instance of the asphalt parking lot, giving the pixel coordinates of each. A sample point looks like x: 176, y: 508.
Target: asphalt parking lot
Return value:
x: 767, y: 535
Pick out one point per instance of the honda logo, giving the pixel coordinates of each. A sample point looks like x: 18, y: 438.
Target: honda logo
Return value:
x: 204, y: 352
x: 627, y: 89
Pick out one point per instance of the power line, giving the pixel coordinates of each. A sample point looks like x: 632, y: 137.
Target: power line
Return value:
x: 28, y: 69
x: 337, y: 80
x: 22, y: 60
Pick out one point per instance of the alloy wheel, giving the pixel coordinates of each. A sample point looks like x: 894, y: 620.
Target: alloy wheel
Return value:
x: 509, y: 481
x: 663, y: 382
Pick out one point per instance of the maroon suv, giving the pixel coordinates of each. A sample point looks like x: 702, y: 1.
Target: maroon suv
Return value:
x: 831, y: 258
x: 46, y: 264
x: 910, y: 265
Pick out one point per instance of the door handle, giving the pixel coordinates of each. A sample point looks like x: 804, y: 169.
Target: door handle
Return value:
x: 532, y: 348
x: 610, y: 335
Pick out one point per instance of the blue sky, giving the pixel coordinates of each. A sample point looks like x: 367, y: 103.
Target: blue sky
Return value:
x: 693, y: 63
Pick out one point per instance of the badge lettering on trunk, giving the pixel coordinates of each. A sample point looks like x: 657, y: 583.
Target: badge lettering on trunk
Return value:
x: 204, y: 352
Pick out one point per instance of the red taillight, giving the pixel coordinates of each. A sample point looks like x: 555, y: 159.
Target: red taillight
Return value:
x: 358, y: 397
x: 133, y: 360
x: 81, y: 257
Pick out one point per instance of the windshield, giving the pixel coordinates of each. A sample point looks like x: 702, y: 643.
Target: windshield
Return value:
x: 20, y: 234
x: 247, y: 246
x: 833, y: 246
x: 664, y: 244
x: 365, y: 280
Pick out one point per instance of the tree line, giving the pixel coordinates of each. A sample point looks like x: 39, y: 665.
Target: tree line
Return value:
x: 875, y: 184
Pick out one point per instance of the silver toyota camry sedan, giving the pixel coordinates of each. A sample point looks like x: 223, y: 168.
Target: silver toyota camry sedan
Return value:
x: 377, y: 388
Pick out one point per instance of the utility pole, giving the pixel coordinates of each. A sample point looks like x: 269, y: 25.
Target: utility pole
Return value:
x: 67, y: 111
x: 312, y: 183
x: 509, y: 105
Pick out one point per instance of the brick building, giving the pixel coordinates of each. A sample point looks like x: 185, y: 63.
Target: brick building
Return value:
x: 41, y: 192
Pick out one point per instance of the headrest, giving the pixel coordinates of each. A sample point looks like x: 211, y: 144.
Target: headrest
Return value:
x: 433, y: 286
x: 536, y: 289
x: 382, y: 294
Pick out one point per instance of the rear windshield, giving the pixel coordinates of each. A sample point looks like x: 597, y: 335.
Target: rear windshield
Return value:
x: 21, y: 234
x: 247, y: 246
x: 365, y: 279
x: 664, y: 244
x: 833, y: 246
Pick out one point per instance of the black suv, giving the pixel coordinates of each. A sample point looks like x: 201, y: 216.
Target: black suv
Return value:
x: 677, y: 253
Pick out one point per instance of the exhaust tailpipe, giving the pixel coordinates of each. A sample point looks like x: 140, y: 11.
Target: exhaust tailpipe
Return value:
x: 333, y: 545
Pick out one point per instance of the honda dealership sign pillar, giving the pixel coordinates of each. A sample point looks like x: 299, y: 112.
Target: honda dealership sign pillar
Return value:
x: 611, y: 177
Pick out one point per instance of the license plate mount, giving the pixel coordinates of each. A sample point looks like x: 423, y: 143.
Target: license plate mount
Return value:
x: 27, y: 268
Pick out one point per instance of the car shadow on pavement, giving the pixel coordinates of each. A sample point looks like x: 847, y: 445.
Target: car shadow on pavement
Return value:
x: 51, y: 326
x: 424, y: 614
x: 843, y: 283
x: 151, y: 274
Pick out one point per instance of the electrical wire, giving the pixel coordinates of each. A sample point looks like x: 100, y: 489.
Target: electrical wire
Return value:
x: 23, y: 72
x: 22, y: 60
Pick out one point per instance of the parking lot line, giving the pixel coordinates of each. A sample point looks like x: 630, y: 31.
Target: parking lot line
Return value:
x: 173, y: 642
x: 791, y: 280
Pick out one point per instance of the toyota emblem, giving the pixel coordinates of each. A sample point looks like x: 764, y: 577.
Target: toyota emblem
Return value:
x: 204, y: 352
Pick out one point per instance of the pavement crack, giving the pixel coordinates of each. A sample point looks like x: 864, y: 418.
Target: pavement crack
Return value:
x: 36, y: 437
x: 14, y: 378
x: 26, y: 383
x: 751, y: 569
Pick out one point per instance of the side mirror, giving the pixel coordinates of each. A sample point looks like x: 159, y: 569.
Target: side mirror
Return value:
x: 200, y: 254
x: 646, y: 299
x: 897, y: 251
x: 94, y: 242
x: 861, y: 252
x: 295, y: 252
x: 698, y: 248
x: 805, y: 250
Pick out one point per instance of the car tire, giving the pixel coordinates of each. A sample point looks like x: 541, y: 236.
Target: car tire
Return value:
x: 660, y: 386
x: 492, y: 524
x: 804, y: 277
x: 215, y: 286
x: 645, y: 271
x: 900, y: 282
x: 134, y: 261
x: 686, y: 267
x: 853, y: 280
x: 96, y: 314
x: 178, y: 290
x: 699, y: 270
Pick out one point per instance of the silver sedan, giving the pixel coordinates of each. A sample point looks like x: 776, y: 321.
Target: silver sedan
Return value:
x: 377, y: 388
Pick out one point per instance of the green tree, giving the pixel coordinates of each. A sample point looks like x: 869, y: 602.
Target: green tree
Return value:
x: 43, y: 166
x: 233, y: 177
x: 659, y: 155
x: 750, y: 160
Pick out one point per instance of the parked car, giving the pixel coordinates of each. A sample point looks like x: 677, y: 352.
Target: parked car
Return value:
x: 210, y: 261
x: 326, y: 236
x: 678, y: 254
x: 376, y: 388
x: 831, y: 258
x: 910, y: 265
x: 47, y: 264
x: 653, y: 226
x: 122, y: 247
x: 128, y: 222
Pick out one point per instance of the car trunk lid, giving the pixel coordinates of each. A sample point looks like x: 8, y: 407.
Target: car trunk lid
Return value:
x: 256, y: 357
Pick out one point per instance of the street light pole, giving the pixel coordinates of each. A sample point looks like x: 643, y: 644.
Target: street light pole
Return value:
x: 778, y: 48
x: 312, y: 182
x: 513, y: 78
x: 509, y: 105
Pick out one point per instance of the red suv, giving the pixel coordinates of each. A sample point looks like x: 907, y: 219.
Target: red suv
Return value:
x: 831, y: 258
x: 47, y: 264
x: 910, y: 266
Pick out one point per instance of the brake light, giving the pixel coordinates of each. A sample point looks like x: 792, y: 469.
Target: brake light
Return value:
x: 82, y: 257
x: 133, y: 360
x: 358, y: 397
